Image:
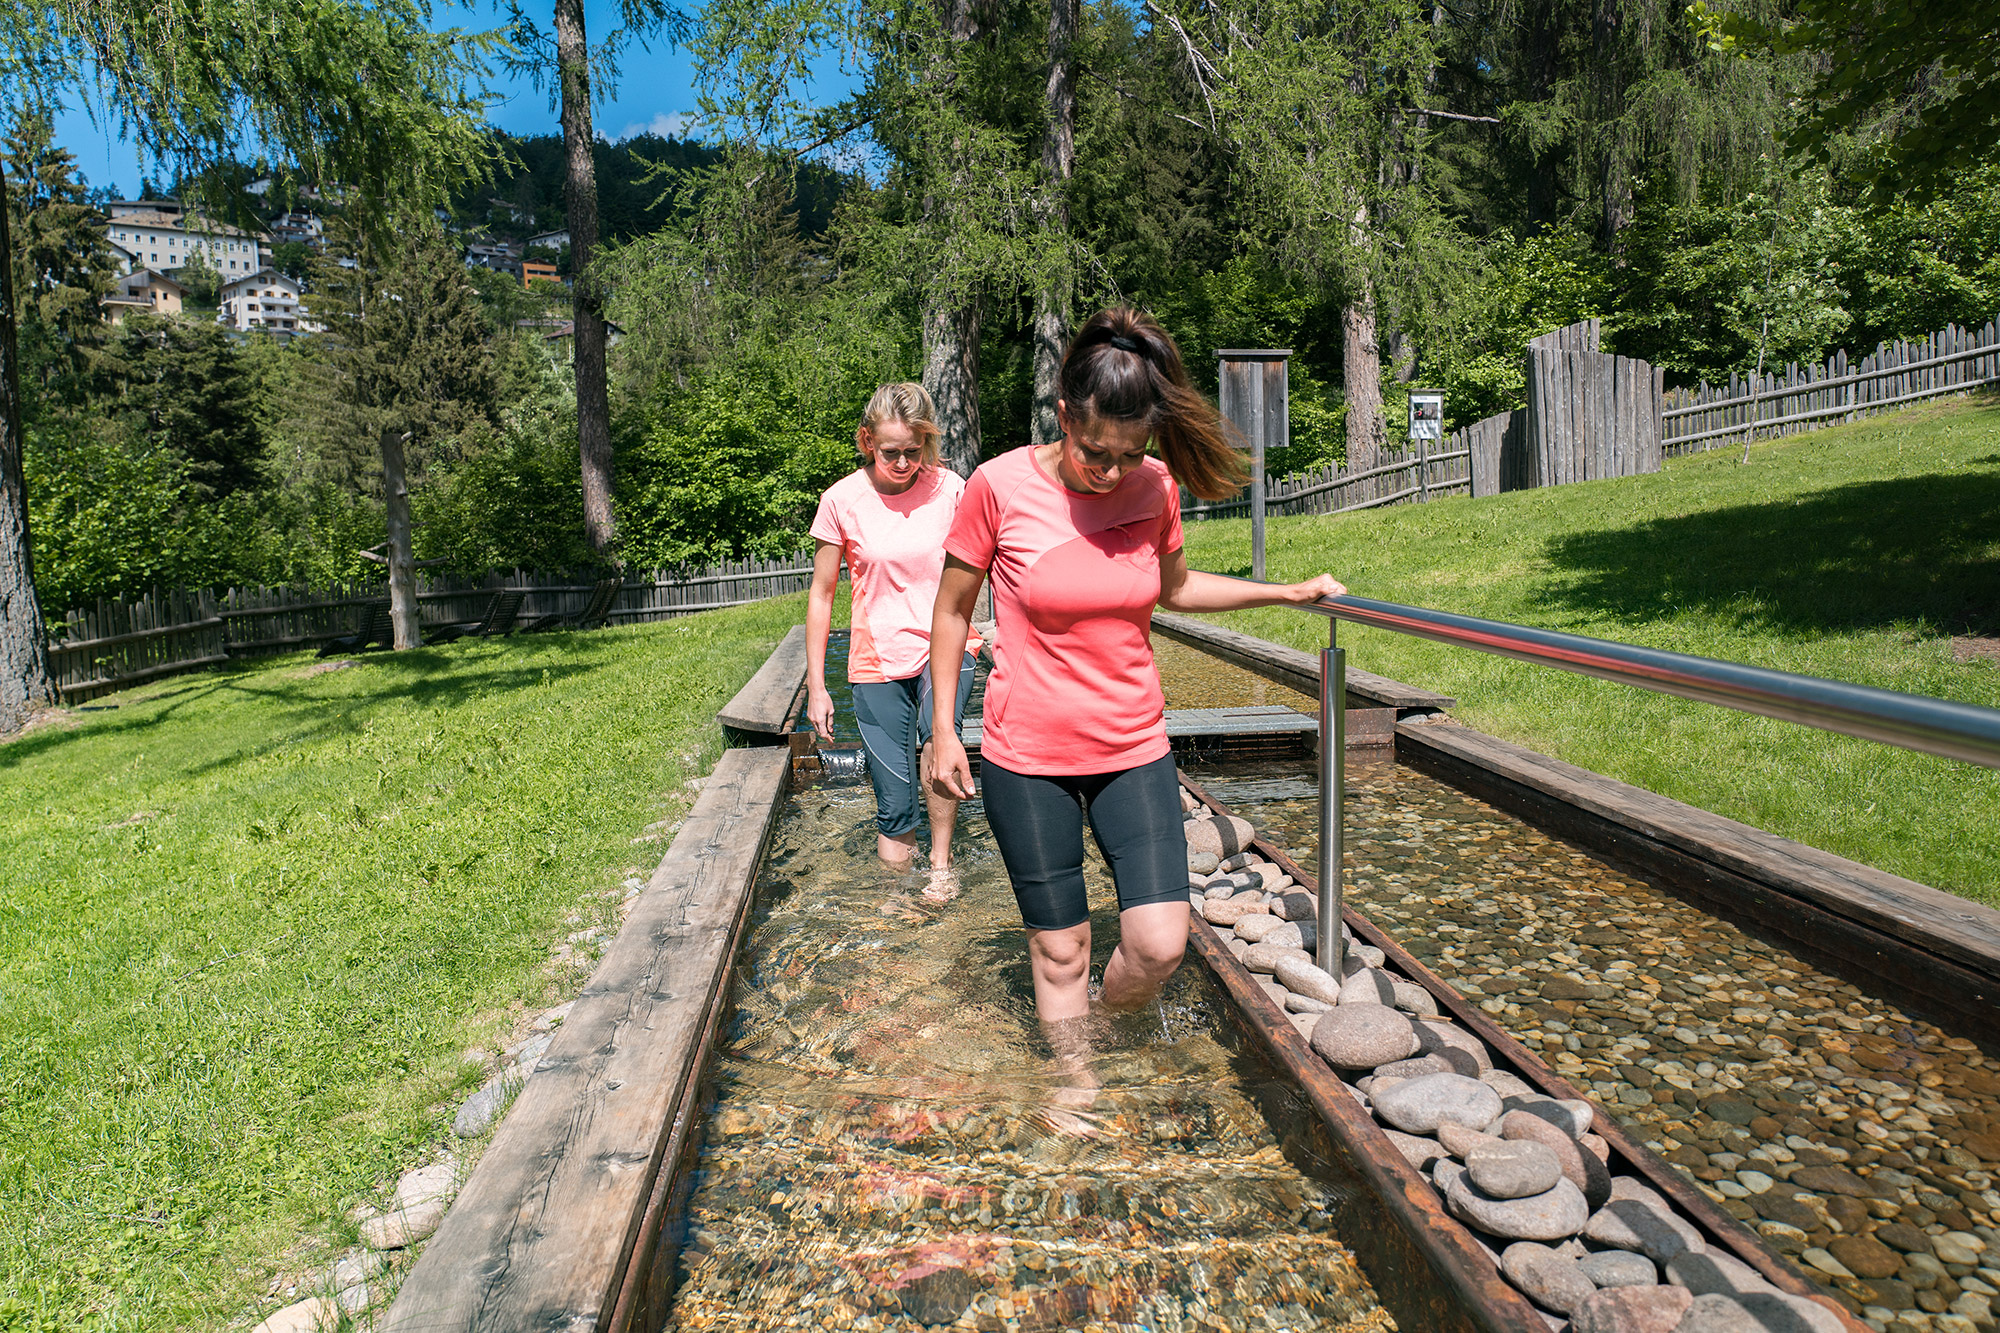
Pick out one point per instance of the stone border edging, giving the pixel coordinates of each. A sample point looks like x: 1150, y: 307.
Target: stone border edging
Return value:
x: 550, y: 1225
x: 1448, y: 1246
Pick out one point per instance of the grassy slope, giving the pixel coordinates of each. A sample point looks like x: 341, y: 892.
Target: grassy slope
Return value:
x: 1851, y: 553
x: 230, y: 1017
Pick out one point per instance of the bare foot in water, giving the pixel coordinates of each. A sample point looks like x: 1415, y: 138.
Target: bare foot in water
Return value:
x: 943, y: 886
x: 1071, y: 1100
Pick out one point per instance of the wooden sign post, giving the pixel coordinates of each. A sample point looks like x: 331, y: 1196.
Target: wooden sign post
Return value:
x: 1426, y: 430
x: 1254, y: 388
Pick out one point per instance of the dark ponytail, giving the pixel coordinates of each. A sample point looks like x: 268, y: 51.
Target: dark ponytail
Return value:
x: 1124, y: 366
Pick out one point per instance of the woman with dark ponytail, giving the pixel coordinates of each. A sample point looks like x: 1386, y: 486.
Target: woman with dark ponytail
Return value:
x: 1082, y: 539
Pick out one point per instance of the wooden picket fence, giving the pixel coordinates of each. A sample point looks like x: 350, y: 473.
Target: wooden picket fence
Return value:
x: 1411, y: 475
x: 117, y: 644
x: 1952, y: 360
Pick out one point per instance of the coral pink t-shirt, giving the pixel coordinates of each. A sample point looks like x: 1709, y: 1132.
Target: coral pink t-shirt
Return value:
x: 1075, y: 579
x: 894, y: 548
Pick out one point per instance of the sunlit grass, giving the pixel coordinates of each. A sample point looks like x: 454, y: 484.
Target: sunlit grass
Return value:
x: 1858, y: 553
x: 250, y: 920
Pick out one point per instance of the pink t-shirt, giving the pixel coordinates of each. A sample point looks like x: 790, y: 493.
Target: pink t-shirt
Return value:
x: 894, y: 548
x: 1075, y: 579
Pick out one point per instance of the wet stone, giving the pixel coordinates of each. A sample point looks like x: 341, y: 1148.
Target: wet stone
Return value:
x: 1632, y: 1310
x: 1639, y: 1226
x: 1265, y: 955
x: 1362, y: 1036
x: 1551, y: 1280
x: 1305, y: 977
x: 940, y: 1297
x: 1619, y: 1268
x: 1420, y: 1105
x: 1556, y: 1215
x: 1513, y: 1170
x: 1864, y: 1256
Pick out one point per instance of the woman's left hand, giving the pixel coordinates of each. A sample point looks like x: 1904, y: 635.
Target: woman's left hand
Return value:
x: 1302, y: 594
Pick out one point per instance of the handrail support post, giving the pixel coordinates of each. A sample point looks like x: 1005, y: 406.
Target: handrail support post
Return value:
x: 1332, y: 793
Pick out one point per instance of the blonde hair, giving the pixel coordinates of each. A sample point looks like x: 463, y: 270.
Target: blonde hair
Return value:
x: 910, y: 403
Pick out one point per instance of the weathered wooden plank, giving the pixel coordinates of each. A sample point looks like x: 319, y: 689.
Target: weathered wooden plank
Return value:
x: 1965, y: 933
x: 540, y: 1237
x: 1291, y: 666
x: 769, y: 702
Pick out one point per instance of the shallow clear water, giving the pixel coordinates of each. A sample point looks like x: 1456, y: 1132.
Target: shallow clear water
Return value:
x: 893, y: 1146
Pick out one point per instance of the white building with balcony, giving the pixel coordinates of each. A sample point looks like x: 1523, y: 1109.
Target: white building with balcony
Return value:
x: 266, y: 301
x: 164, y: 240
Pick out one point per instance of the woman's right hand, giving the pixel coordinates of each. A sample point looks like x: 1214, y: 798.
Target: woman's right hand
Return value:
x: 951, y: 770
x: 819, y: 711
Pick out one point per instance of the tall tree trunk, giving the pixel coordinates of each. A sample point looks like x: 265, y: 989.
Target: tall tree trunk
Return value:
x: 593, y: 394
x: 1361, y: 364
x: 951, y: 373
x: 1052, y: 313
x: 24, y: 656
x: 402, y: 561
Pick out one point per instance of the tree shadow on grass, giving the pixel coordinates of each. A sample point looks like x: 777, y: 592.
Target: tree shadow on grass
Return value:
x: 1866, y: 556
x: 426, y: 677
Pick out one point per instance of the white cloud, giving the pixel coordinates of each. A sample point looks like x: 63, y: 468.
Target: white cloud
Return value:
x: 667, y: 124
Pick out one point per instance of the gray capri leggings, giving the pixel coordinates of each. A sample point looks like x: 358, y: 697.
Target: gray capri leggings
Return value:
x: 895, y: 721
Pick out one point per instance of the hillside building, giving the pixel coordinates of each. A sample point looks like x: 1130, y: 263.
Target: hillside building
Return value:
x: 265, y: 301
x: 143, y: 292
x: 164, y: 237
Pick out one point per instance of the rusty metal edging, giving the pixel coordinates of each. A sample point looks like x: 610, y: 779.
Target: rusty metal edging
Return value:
x: 1287, y: 1046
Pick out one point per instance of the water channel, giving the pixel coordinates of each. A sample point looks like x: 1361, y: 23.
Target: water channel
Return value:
x: 892, y: 1149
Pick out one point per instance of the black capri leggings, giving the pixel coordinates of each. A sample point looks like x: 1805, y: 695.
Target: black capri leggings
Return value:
x: 1135, y: 816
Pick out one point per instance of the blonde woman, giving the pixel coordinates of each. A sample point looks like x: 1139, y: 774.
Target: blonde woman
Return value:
x: 888, y: 520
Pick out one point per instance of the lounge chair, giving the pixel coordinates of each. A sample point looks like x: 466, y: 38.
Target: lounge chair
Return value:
x: 377, y: 629
x: 501, y: 613
x: 595, y: 612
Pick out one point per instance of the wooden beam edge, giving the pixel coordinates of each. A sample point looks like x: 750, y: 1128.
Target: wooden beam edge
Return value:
x: 436, y: 1294
x: 752, y: 709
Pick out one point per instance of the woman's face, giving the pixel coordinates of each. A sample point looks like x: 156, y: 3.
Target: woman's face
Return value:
x: 894, y: 452
x: 1097, y: 452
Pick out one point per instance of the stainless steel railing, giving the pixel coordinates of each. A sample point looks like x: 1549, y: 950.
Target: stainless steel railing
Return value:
x: 1914, y: 722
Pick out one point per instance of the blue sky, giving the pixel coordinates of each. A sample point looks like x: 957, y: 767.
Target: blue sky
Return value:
x: 655, y: 89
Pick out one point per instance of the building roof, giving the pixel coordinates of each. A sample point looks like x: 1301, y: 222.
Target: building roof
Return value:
x: 260, y: 276
x: 153, y: 277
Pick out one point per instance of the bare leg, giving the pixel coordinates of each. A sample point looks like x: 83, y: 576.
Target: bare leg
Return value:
x: 944, y: 817
x: 1060, y: 962
x: 1151, y: 941
x: 898, y: 850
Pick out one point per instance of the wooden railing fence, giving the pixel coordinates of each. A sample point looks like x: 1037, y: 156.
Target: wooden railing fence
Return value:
x: 116, y: 644
x: 1952, y: 360
x: 1412, y: 475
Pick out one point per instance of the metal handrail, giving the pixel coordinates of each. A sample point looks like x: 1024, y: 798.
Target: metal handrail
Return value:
x: 1911, y: 721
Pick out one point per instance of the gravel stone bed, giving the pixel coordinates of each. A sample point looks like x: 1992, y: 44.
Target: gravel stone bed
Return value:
x: 1860, y: 1140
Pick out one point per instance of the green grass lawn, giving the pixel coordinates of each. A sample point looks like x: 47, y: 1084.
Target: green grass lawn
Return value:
x: 1855, y: 553
x: 251, y: 919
